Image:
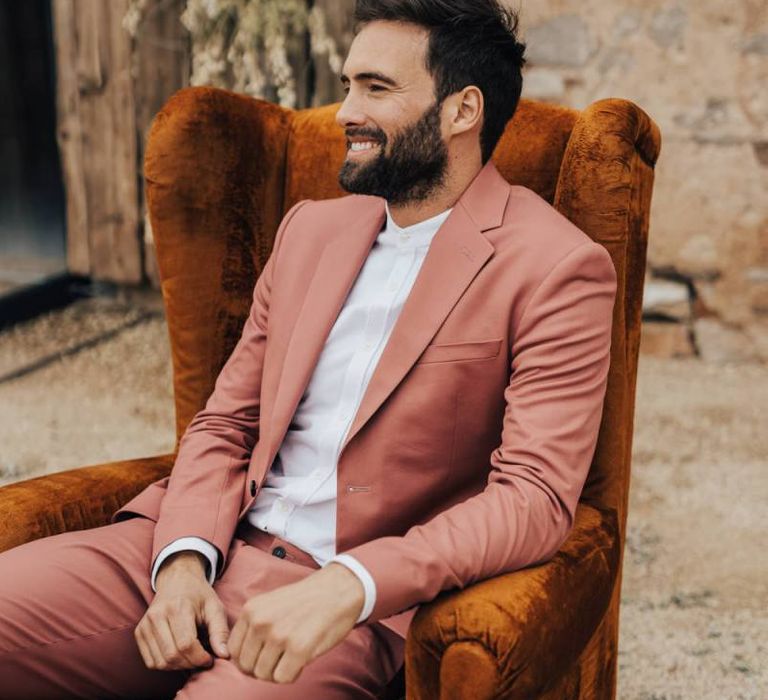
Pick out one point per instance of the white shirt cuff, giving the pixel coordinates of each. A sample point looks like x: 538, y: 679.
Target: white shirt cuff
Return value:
x: 365, y: 577
x: 196, y: 544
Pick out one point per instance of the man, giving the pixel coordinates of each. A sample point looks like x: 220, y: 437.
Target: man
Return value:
x: 433, y: 375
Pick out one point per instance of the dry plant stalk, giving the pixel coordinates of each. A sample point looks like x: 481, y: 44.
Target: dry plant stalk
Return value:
x: 244, y: 45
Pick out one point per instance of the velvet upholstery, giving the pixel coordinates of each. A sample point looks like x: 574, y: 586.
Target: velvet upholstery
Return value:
x: 221, y: 169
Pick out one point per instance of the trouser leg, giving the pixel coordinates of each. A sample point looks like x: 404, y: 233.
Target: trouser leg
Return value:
x: 69, y: 605
x: 68, y: 608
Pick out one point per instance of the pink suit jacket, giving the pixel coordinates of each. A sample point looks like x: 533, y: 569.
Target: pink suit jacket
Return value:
x: 469, y: 451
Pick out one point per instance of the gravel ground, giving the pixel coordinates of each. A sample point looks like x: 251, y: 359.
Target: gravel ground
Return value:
x: 111, y: 401
x: 694, y: 616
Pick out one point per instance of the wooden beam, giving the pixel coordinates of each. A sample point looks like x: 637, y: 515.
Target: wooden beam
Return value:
x: 97, y: 139
x: 162, y: 63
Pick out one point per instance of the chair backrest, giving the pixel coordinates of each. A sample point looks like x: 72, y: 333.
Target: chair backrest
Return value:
x: 222, y: 168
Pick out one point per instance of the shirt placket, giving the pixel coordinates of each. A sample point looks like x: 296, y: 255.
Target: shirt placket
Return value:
x: 278, y: 516
x: 374, y: 335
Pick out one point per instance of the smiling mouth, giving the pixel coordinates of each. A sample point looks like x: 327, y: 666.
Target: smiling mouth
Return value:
x: 358, y: 148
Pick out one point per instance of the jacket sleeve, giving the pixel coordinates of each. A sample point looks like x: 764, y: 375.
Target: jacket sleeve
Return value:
x: 205, y: 489
x: 554, y: 402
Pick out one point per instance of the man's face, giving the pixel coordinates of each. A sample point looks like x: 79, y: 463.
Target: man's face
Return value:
x: 390, y: 110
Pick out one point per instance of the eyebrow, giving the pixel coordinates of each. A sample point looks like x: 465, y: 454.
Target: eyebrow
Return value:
x: 370, y: 75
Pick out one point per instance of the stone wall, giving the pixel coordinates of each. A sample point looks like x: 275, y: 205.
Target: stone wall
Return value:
x: 700, y: 70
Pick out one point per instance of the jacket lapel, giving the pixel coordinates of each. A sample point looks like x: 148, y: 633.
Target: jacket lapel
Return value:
x: 335, y: 273
x: 456, y: 254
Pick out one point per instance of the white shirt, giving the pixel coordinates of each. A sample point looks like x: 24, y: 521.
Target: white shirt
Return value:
x: 297, y: 501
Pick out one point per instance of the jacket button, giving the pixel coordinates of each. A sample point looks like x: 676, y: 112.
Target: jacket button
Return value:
x: 279, y: 552
x: 253, y: 487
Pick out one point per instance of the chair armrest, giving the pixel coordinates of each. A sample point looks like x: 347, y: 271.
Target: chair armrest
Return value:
x: 75, y: 499
x: 518, y: 632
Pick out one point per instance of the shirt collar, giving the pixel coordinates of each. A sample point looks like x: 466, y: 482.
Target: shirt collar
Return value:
x: 417, y: 234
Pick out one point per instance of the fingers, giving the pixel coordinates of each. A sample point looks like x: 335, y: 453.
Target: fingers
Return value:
x: 150, y: 654
x: 250, y: 651
x: 167, y: 639
x: 215, y: 617
x: 267, y: 657
x: 289, y: 668
x: 161, y: 639
x: 184, y: 631
x: 244, y: 645
x: 236, y: 637
x: 274, y: 658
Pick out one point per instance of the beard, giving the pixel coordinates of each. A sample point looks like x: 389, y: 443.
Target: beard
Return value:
x: 414, y: 168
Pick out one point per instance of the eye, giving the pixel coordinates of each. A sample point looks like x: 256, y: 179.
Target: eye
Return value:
x: 373, y: 88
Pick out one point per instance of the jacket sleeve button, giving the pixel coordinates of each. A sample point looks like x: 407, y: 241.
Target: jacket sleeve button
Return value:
x: 253, y: 487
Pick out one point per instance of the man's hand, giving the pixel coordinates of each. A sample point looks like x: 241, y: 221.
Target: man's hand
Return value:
x: 279, y: 632
x: 167, y: 634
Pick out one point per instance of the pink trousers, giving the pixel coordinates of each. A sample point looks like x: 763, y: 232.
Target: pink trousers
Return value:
x: 69, y: 604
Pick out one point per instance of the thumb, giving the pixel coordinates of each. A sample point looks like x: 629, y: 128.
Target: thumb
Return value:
x: 218, y: 629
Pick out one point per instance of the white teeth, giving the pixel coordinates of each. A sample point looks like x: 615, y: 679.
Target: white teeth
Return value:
x: 361, y: 145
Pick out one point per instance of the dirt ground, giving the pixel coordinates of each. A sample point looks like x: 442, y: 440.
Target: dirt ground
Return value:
x: 694, y: 617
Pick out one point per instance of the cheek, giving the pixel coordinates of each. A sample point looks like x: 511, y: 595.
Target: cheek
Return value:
x: 395, y: 112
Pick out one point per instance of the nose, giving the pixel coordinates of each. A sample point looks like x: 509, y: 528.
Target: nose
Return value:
x: 349, y: 113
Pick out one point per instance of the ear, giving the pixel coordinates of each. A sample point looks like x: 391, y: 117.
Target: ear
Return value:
x: 465, y: 109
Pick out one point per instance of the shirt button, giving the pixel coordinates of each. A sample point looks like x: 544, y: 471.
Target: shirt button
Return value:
x: 284, y: 506
x: 279, y: 552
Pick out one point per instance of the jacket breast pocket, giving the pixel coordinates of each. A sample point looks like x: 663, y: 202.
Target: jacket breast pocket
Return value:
x: 463, y: 350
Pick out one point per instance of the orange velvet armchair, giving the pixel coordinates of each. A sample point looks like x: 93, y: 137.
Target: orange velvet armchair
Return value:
x: 221, y: 169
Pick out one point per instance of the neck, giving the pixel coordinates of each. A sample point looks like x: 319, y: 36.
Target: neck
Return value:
x: 411, y: 213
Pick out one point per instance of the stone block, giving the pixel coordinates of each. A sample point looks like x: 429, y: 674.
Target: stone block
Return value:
x: 666, y: 298
x: 564, y: 40
x: 665, y: 339
x: 668, y: 25
x: 543, y: 84
x: 720, y: 343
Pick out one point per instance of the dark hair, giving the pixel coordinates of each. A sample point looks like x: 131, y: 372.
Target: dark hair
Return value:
x: 471, y: 42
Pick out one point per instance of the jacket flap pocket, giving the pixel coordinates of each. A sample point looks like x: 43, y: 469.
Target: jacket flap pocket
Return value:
x: 464, y: 350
